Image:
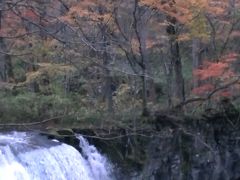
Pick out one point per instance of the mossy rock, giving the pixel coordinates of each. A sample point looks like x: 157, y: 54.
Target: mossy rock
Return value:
x: 54, y: 133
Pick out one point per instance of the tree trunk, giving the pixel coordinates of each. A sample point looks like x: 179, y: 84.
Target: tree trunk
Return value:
x: 108, y: 91
x: 144, y: 95
x: 145, y: 68
x: 179, y: 80
x: 108, y: 79
x: 6, y: 69
x: 176, y: 60
x: 168, y: 70
x: 196, y: 59
x: 139, y: 26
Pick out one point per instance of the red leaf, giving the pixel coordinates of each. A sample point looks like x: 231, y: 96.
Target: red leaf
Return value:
x: 203, y: 89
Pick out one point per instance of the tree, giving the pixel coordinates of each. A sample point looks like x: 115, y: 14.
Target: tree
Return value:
x: 97, y: 16
x: 118, y: 38
x: 137, y: 54
x: 217, y: 74
x: 6, y: 71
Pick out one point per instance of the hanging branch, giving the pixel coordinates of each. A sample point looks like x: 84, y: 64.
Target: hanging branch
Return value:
x: 34, y: 123
x: 209, y: 96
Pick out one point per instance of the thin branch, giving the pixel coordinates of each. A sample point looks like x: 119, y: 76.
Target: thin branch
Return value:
x: 225, y: 43
x: 11, y: 54
x: 209, y: 95
x: 33, y: 123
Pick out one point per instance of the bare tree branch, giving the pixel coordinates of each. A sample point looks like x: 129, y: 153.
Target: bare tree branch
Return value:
x: 209, y: 95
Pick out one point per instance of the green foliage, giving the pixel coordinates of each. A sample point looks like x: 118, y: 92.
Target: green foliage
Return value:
x: 28, y: 107
x: 198, y: 27
x: 18, y: 70
x: 48, y: 69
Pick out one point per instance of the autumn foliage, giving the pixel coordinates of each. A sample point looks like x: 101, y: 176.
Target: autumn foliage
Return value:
x: 185, y: 10
x: 214, y: 74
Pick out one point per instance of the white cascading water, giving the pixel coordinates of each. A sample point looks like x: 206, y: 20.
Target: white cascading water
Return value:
x: 25, y: 156
x: 99, y: 165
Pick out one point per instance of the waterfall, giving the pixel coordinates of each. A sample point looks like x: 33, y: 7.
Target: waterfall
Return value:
x: 99, y: 165
x: 26, y: 156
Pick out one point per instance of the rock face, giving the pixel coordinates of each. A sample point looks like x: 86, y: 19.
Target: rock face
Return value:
x: 203, y: 149
x: 192, y: 158
x: 177, y: 149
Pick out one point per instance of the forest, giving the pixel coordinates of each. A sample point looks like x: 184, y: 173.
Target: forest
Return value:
x: 120, y: 89
x: 103, y: 63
